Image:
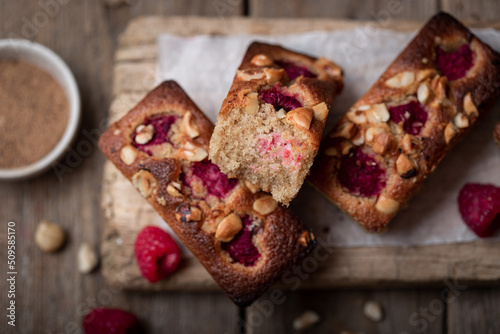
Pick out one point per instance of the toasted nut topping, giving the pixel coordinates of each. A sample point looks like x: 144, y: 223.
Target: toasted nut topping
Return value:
x: 449, y: 132
x: 145, y: 182
x: 128, y: 154
x: 320, y: 111
x: 330, y: 67
x: 252, y: 187
x: 306, y: 320
x: 331, y: 152
x: 249, y: 75
x: 265, y: 205
x: 382, y: 143
x: 423, y: 93
x: 346, y: 131
x: 359, y: 138
x: 186, y: 213
x: 372, y: 132
x: 197, y: 154
x: 173, y: 191
x: 426, y: 73
x: 274, y: 75
x: 280, y: 114
x: 401, y: 80
x: 357, y: 116
x: 49, y: 237
x: 161, y: 201
x: 305, y: 238
x: 440, y: 88
x: 364, y: 107
x: 378, y: 113
x: 301, y: 116
x: 461, y: 121
x: 228, y: 228
x: 144, y: 134
x: 262, y: 60
x: 87, y: 258
x: 469, y: 107
x: 345, y: 147
x: 189, y: 125
x: 386, y: 205
x: 252, y: 103
x: 425, y: 60
x: 405, y: 167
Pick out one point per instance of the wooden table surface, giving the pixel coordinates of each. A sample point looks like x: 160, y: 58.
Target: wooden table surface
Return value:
x: 52, y: 296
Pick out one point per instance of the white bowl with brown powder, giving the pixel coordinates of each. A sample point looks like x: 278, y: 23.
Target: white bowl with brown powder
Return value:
x: 39, y: 108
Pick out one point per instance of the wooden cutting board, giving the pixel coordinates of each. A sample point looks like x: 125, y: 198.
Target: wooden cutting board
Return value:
x: 126, y: 212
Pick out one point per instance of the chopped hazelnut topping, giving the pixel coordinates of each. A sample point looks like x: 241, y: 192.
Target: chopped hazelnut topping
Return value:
x: 265, y: 205
x: 405, y: 167
x: 262, y: 60
x: 301, y: 116
x: 401, y: 80
x: 145, y: 182
x: 357, y: 116
x: 274, y: 75
x: 320, y: 111
x: 252, y: 103
x: 189, y: 125
x: 381, y: 143
x: 305, y: 238
x: 378, y: 113
x: 252, y: 187
x: 469, y: 107
x: 228, y: 228
x: 144, y: 134
x: 173, y: 191
x: 461, y: 121
x: 423, y: 93
x: 128, y: 154
x: 186, y: 213
x: 372, y: 132
x: 387, y: 205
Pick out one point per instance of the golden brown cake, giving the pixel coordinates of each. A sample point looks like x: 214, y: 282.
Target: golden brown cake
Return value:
x: 241, y: 235
x: 389, y: 141
x: 269, y: 127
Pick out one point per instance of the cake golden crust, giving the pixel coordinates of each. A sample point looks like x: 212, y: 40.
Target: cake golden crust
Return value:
x: 195, y: 216
x: 267, y: 144
x: 407, y: 152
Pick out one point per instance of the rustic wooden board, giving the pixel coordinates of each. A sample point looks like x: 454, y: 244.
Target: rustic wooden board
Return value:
x: 126, y: 212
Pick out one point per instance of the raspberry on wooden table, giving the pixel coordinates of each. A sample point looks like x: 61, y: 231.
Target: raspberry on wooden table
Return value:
x: 479, y: 205
x: 111, y: 321
x: 156, y: 253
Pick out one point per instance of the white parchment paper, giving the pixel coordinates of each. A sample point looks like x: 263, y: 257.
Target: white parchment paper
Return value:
x: 205, y: 66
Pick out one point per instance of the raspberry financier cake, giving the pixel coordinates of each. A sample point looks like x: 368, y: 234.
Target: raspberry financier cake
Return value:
x: 241, y: 235
x: 270, y: 125
x: 380, y: 152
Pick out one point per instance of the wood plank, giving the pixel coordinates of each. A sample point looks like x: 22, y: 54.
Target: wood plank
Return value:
x: 474, y: 310
x: 51, y: 295
x: 377, y: 10
x: 366, y: 266
x: 405, y: 311
x: 479, y: 10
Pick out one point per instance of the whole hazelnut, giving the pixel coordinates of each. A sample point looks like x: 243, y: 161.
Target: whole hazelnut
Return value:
x: 49, y: 237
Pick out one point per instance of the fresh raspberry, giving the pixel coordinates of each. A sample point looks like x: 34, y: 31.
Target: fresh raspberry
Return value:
x: 294, y: 71
x: 157, y: 253
x: 479, y: 205
x: 454, y: 65
x: 111, y: 321
x: 412, y: 114
x: 162, y: 125
x: 279, y: 100
x: 241, y: 248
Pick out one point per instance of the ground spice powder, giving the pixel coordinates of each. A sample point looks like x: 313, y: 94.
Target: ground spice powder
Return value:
x: 34, y: 113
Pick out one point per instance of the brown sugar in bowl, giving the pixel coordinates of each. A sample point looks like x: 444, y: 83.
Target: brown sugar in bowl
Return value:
x: 56, y: 101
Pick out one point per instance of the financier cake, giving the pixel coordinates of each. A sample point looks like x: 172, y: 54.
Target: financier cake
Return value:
x: 389, y: 141
x: 270, y: 125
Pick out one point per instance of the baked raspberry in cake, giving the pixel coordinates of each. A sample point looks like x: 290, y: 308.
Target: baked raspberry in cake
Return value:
x: 270, y: 125
x: 241, y: 235
x: 385, y: 146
